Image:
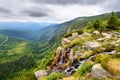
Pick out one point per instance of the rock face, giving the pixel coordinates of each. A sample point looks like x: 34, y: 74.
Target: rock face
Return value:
x: 40, y: 73
x: 60, y: 50
x: 106, y: 35
x: 74, y: 36
x: 71, y: 55
x: 85, y: 34
x: 92, y: 45
x: 96, y: 33
x: 99, y: 73
x: 65, y: 41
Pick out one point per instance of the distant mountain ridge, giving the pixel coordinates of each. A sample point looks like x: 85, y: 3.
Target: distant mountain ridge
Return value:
x: 25, y: 30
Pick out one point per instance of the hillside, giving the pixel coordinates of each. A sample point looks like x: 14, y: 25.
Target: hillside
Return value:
x: 24, y: 30
x: 89, y: 53
x: 23, y: 53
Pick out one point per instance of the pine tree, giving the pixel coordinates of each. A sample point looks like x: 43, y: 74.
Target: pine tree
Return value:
x: 96, y: 24
x: 113, y: 21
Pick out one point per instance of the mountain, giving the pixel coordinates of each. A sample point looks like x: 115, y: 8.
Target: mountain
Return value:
x: 27, y: 47
x: 25, y: 30
x: 54, y: 33
x: 88, y: 52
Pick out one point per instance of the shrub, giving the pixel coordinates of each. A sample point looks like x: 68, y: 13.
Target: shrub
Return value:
x: 100, y: 57
x: 113, y: 21
x: 96, y: 24
x: 85, y: 68
x: 53, y: 76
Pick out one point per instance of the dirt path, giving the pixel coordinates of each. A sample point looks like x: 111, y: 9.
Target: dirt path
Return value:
x: 4, y: 41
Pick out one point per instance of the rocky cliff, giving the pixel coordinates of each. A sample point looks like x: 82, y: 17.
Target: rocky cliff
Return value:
x: 98, y: 48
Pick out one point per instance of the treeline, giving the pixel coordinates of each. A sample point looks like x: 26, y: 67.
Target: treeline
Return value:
x: 112, y: 23
x: 10, y: 69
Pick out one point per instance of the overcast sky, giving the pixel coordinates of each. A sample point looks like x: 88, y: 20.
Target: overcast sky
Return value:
x: 54, y: 10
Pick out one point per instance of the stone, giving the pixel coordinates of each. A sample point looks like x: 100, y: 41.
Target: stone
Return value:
x: 92, y: 45
x: 65, y: 41
x: 96, y: 33
x: 85, y: 34
x: 40, y: 73
x: 99, y: 73
x: 106, y: 35
x: 118, y: 41
x: 60, y: 50
x: 74, y: 36
x: 71, y: 55
x: 100, y: 39
x: 116, y: 34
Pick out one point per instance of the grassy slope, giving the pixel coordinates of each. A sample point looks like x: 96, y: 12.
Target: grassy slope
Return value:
x: 12, y: 48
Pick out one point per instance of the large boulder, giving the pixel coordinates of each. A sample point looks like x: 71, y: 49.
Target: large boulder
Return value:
x: 92, y: 45
x: 65, y: 41
x: 85, y: 34
x: 71, y: 55
x: 96, y: 33
x: 60, y: 50
x: 74, y: 36
x: 99, y: 73
x: 40, y: 73
x: 106, y: 35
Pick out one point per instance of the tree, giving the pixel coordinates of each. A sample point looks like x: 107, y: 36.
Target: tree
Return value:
x: 96, y: 24
x: 113, y: 21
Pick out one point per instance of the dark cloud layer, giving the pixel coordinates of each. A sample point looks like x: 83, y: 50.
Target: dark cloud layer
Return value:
x: 55, y: 10
x: 36, y: 13
x: 3, y: 10
x: 64, y: 2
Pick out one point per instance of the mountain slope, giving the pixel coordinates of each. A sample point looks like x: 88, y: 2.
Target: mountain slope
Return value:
x: 92, y: 54
x: 25, y: 30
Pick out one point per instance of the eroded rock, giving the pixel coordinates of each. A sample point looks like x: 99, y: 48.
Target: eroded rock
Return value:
x: 74, y: 36
x: 65, y: 41
x: 96, y: 33
x: 85, y: 34
x: 60, y: 50
x: 92, y: 45
x: 99, y: 73
x: 40, y: 73
x: 106, y: 35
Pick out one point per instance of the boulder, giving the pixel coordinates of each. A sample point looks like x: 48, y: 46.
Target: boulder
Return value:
x: 99, y: 73
x: 40, y: 73
x: 96, y: 33
x: 71, y: 55
x: 65, y: 41
x: 85, y: 34
x: 60, y: 50
x: 106, y: 35
x: 100, y: 39
x: 92, y: 45
x: 116, y: 34
x: 74, y: 36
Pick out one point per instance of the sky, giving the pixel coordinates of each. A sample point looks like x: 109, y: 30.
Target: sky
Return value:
x: 54, y: 10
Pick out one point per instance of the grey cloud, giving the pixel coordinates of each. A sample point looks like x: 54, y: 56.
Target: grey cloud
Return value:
x: 36, y: 13
x: 111, y: 5
x: 64, y: 2
x: 3, y: 10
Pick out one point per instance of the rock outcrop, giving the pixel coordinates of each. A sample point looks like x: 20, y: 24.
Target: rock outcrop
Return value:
x: 92, y: 45
x: 65, y: 41
x: 99, y: 73
x: 106, y: 35
x: 96, y: 33
x: 74, y: 36
x: 40, y: 73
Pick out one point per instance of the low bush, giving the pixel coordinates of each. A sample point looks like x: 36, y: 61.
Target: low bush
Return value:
x: 53, y: 76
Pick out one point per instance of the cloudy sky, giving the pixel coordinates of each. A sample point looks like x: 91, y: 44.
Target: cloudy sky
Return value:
x: 54, y: 10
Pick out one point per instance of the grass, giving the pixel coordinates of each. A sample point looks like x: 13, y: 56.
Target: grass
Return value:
x: 53, y: 76
x: 84, y: 69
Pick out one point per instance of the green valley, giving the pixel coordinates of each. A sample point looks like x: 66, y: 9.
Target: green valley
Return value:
x: 71, y: 48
